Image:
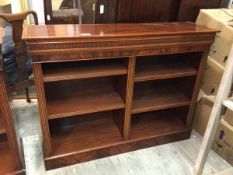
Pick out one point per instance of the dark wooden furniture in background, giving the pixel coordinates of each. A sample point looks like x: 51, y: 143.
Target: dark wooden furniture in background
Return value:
x: 137, y: 11
x: 134, y: 11
x: 10, y: 161
x: 189, y: 9
x: 108, y: 89
x: 20, y: 50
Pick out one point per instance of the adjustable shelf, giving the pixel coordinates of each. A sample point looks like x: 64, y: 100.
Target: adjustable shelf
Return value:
x: 167, y: 66
x: 157, y: 96
x: 163, y: 71
x: 82, y: 97
x: 82, y: 70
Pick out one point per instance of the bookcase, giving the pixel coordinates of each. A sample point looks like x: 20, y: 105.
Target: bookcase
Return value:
x: 108, y: 89
x: 10, y: 158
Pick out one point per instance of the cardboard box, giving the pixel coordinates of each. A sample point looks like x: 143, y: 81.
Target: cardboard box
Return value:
x: 223, y: 143
x: 214, y: 18
x: 202, y: 113
x: 228, y: 117
x: 219, y: 19
x: 212, y: 77
x: 220, y: 50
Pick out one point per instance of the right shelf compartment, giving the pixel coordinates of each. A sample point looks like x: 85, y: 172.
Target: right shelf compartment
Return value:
x: 163, y: 90
x: 164, y: 81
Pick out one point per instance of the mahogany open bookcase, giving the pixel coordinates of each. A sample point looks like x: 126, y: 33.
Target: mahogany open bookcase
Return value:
x: 108, y: 89
x: 10, y: 153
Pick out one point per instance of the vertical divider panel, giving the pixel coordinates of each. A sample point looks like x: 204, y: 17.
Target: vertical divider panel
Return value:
x: 39, y: 84
x: 9, y: 123
x: 129, y: 97
x: 197, y: 86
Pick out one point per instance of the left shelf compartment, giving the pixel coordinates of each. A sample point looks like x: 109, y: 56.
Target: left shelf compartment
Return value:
x: 85, y: 105
x: 77, y: 97
x: 83, y: 87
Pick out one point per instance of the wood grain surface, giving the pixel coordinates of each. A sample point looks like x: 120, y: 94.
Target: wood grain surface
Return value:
x: 109, y: 89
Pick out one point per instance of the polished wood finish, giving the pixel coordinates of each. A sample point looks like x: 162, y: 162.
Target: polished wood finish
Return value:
x: 143, y: 97
x: 39, y: 84
x: 129, y: 97
x: 10, y: 159
x: 111, y: 31
x: 109, y: 150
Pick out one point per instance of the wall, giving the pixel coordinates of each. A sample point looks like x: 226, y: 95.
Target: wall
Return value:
x: 38, y: 6
x: 16, y: 6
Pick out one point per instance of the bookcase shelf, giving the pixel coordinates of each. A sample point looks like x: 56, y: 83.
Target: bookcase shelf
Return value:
x: 166, y: 66
x: 151, y: 124
x: 157, y: 99
x: 157, y: 95
x: 163, y: 71
x: 81, y: 134
x: 82, y: 70
x: 123, y: 87
x: 86, y: 96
